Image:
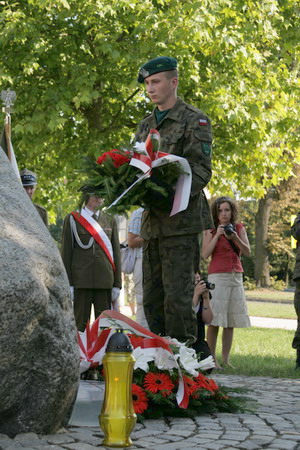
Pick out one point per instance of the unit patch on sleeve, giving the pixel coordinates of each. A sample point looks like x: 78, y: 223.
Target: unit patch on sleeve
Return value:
x: 206, y: 148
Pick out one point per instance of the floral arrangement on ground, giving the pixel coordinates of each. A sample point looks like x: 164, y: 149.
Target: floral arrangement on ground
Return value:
x: 169, y: 378
x: 154, y: 389
x: 142, y: 176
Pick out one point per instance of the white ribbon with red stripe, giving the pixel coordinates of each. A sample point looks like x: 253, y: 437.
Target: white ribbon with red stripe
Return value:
x: 92, y: 345
x: 147, y: 159
x: 95, y: 230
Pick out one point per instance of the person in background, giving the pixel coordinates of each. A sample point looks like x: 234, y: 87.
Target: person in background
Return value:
x: 295, y: 230
x: 29, y: 182
x: 90, y: 251
x: 135, y: 242
x: 201, y: 305
x: 225, y: 243
x: 170, y: 242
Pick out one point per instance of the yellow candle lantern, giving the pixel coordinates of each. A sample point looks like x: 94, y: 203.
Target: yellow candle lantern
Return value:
x: 117, y: 418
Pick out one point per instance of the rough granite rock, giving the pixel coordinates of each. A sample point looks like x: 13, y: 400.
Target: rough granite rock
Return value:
x: 39, y: 369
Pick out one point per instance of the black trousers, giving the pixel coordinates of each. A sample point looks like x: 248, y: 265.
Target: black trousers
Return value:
x: 83, y: 300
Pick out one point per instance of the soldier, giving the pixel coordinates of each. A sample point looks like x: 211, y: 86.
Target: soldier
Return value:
x: 29, y: 181
x: 296, y: 341
x: 91, y: 254
x: 171, y: 243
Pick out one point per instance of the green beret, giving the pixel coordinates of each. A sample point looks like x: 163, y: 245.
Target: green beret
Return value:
x: 160, y: 64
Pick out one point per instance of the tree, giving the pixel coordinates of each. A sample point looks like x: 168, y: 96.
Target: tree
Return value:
x: 74, y: 64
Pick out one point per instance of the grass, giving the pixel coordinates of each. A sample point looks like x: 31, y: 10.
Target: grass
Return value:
x: 262, y: 352
x: 270, y: 294
x: 275, y: 310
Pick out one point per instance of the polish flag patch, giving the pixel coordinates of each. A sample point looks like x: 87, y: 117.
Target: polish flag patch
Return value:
x: 202, y: 122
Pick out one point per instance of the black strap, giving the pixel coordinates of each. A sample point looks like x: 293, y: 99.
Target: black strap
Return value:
x: 234, y: 247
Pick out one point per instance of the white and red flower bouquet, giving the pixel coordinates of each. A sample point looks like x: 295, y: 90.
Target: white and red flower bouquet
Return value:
x: 168, y: 378
x: 143, y: 176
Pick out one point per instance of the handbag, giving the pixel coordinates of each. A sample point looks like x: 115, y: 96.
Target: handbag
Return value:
x: 128, y: 256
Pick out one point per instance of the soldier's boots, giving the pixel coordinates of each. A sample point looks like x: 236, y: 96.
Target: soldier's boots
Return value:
x: 298, y: 360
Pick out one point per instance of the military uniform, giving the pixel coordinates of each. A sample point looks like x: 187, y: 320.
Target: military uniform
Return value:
x: 29, y: 180
x: 296, y: 277
x: 89, y: 270
x: 171, y: 243
x: 43, y: 213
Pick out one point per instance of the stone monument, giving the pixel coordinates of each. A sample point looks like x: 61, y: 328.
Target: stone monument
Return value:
x: 39, y: 368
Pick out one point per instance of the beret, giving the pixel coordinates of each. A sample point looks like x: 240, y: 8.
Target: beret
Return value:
x: 160, y: 64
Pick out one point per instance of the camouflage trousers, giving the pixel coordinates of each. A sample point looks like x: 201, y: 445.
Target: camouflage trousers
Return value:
x: 296, y: 340
x: 168, y: 274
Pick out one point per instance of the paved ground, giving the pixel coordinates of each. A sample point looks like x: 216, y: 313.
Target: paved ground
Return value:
x: 274, y: 425
x: 266, y: 322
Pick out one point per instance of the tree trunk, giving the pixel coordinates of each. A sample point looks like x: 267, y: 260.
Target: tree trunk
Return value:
x: 262, y: 268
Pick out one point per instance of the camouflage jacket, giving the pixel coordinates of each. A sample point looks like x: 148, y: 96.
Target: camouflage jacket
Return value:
x: 295, y: 231
x: 185, y: 131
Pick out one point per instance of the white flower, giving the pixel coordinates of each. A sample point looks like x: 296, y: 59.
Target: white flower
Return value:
x: 174, y: 341
x: 140, y: 147
x: 188, y: 360
x: 142, y: 357
x: 207, y: 363
x: 164, y: 359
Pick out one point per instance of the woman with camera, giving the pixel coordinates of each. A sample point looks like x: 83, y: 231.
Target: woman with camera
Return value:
x: 225, y: 244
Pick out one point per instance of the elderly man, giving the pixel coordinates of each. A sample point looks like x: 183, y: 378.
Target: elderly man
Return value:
x: 29, y: 182
x: 171, y: 243
x: 90, y: 251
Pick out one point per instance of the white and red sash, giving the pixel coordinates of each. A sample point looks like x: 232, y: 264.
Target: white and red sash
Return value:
x: 92, y: 345
x: 95, y: 230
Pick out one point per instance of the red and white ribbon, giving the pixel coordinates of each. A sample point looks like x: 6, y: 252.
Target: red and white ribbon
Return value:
x: 149, y: 159
x: 95, y: 230
x: 93, y: 345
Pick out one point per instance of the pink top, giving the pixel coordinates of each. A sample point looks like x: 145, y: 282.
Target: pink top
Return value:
x: 224, y: 258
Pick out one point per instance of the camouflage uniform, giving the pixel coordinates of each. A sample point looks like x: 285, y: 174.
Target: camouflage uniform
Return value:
x: 170, y: 245
x: 296, y: 234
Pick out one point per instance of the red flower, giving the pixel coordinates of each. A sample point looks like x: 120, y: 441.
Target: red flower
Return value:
x: 206, y: 383
x: 158, y: 382
x: 139, y: 399
x: 117, y: 158
x: 190, y: 384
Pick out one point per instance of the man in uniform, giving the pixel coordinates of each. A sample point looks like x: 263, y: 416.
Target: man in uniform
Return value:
x: 91, y: 254
x: 29, y: 181
x: 296, y: 341
x: 170, y: 243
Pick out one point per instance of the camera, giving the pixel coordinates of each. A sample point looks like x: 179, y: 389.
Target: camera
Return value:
x: 229, y: 229
x: 209, y: 285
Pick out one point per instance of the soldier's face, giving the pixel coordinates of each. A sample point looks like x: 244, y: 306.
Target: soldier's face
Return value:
x: 94, y: 203
x: 161, y: 89
x: 30, y: 190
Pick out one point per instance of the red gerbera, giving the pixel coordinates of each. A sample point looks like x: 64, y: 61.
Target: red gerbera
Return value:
x: 118, y: 158
x: 206, y: 383
x: 156, y: 382
x: 139, y: 399
x: 190, y: 384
